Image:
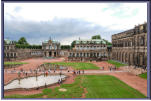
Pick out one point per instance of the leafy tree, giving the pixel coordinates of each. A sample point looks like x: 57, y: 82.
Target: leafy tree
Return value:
x: 65, y: 47
x: 15, y: 42
x: 96, y: 37
x: 23, y: 41
x: 5, y: 42
x: 73, y: 43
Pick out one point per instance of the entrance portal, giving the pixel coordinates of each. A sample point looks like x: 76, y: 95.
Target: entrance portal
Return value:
x: 50, y: 54
x: 54, y: 54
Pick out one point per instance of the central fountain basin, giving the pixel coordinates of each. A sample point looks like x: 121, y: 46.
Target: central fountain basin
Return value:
x: 34, y: 82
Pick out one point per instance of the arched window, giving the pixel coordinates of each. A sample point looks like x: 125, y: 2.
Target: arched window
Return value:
x: 142, y: 41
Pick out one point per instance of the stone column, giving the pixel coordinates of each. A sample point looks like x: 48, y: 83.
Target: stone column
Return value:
x: 47, y: 54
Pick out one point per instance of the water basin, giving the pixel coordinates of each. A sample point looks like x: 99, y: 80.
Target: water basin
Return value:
x: 33, y: 82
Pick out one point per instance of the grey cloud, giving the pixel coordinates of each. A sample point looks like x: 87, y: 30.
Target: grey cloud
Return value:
x: 58, y: 29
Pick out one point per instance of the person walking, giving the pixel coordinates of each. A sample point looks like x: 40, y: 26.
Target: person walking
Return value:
x: 46, y: 73
x: 59, y: 81
x: 45, y: 85
x: 60, y: 74
x: 103, y: 68
x: 19, y: 74
x: 26, y: 73
x: 115, y: 68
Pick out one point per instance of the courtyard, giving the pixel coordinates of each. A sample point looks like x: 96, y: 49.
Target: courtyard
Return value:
x: 97, y: 81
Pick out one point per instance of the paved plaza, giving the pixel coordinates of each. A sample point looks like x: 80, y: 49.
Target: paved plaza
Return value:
x: 132, y: 80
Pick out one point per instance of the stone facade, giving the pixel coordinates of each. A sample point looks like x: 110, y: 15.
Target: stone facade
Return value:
x: 64, y: 53
x: 89, y: 50
x: 130, y: 46
x: 51, y: 48
x: 12, y: 53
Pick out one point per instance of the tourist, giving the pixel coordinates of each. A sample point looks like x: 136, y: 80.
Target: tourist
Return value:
x: 60, y: 74
x: 83, y: 71
x: 73, y: 72
x: 26, y: 74
x: 37, y: 88
x: 79, y: 71
x: 19, y: 74
x: 36, y: 73
x: 49, y: 71
x: 46, y: 73
x: 115, y: 68
x: 59, y: 81
x: 109, y: 67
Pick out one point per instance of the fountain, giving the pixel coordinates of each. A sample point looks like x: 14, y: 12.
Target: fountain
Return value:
x: 30, y: 82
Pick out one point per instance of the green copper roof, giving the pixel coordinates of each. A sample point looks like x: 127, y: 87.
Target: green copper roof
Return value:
x: 95, y: 41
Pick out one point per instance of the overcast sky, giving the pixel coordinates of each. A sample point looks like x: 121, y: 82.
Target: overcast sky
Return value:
x: 66, y: 22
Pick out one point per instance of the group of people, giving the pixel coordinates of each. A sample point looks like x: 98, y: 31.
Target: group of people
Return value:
x: 78, y: 72
x: 112, y: 68
x: 60, y: 81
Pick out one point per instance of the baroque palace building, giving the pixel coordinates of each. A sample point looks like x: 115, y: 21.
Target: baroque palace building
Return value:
x: 89, y: 50
x: 51, y: 48
x: 130, y: 46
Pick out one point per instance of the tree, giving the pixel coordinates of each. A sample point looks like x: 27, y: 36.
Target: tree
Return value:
x: 5, y: 42
x: 15, y: 42
x: 73, y: 43
x: 22, y: 41
x: 65, y: 47
x: 96, y: 37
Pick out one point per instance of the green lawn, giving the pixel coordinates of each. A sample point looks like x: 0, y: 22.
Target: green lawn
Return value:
x: 106, y: 86
x: 78, y: 65
x: 14, y: 63
x: 144, y: 75
x: 98, y: 86
x: 117, y: 64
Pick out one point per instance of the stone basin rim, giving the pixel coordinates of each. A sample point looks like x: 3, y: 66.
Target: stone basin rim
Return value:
x: 66, y: 76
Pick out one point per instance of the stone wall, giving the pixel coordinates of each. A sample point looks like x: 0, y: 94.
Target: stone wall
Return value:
x: 130, y: 47
x: 18, y: 54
